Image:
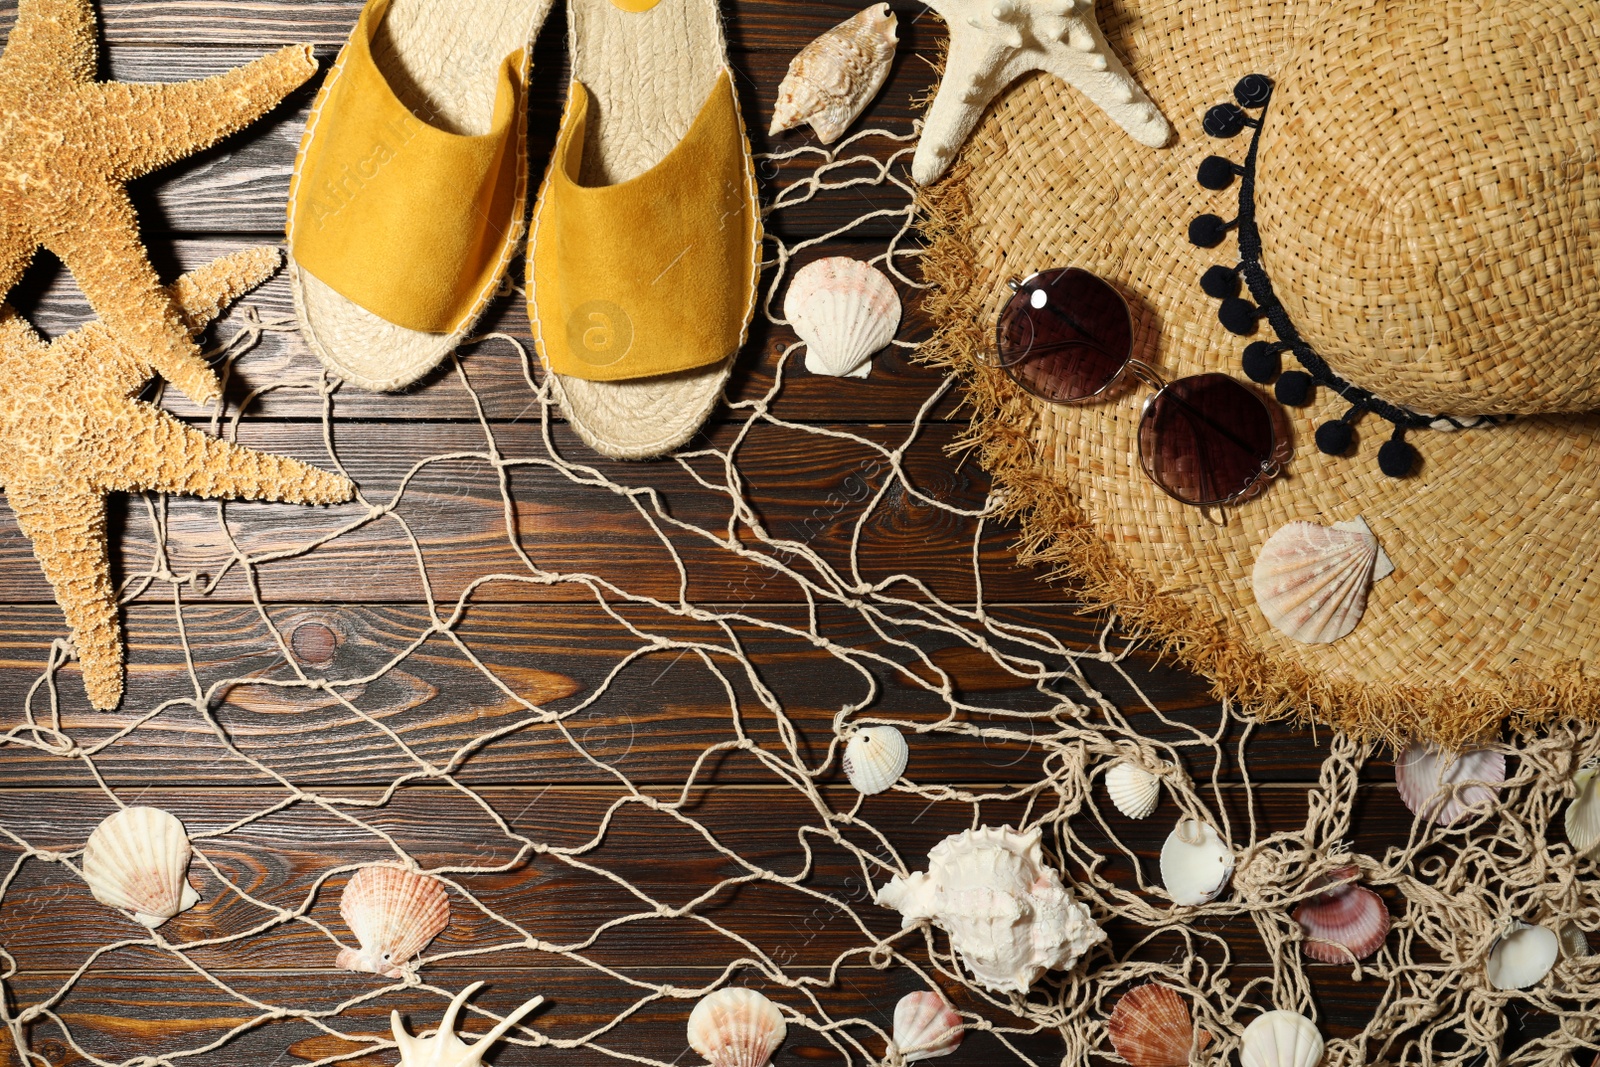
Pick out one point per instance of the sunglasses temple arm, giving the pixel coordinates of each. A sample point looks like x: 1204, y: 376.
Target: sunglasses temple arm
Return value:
x: 1221, y: 431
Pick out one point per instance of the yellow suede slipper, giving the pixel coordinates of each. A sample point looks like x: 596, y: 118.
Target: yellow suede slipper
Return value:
x: 645, y: 248
x: 411, y: 184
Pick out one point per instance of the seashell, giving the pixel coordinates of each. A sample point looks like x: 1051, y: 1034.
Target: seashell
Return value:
x: 1311, y: 581
x: 138, y: 860
x: 1195, y: 863
x: 1426, y: 776
x: 1522, y: 956
x: 875, y: 758
x: 444, y: 1048
x: 1006, y: 911
x: 736, y: 1027
x: 1574, y: 942
x: 394, y: 913
x: 925, y: 1027
x: 1134, y: 790
x: 1583, y: 814
x: 834, y: 78
x: 845, y: 311
x: 1344, y: 922
x: 1280, y: 1039
x: 1150, y: 1027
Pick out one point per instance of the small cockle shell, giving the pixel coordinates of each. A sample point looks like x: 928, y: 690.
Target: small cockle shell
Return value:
x: 925, y: 1028
x: 845, y: 311
x: 394, y: 913
x: 1311, y: 581
x: 1150, y: 1027
x: 874, y: 758
x: 1427, y: 777
x: 138, y: 860
x: 1583, y: 814
x: 1343, y: 923
x: 736, y: 1027
x: 1195, y: 863
x: 444, y: 1048
x: 1134, y: 790
x: 835, y: 77
x: 1574, y: 942
x: 1280, y: 1039
x: 1522, y: 956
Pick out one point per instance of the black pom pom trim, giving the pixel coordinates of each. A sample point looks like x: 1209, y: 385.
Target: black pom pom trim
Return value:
x: 1220, y: 282
x: 1396, y: 458
x: 1224, y: 121
x: 1293, y: 388
x: 1216, y: 173
x: 1239, y: 316
x: 1253, y: 90
x: 1334, y: 438
x: 1262, y: 361
x: 1207, y: 231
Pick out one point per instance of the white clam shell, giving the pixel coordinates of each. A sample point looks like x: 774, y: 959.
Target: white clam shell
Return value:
x: 875, y: 757
x: 1428, y: 776
x: 925, y: 1027
x: 394, y: 913
x: 736, y: 1027
x: 138, y: 860
x: 1132, y: 789
x: 1195, y: 863
x: 833, y: 79
x: 1311, y: 581
x: 845, y: 311
x: 1522, y: 956
x: 1583, y: 814
x: 1281, y: 1039
x: 444, y: 1048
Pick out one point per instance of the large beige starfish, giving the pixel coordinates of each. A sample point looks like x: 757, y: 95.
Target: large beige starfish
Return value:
x: 72, y: 432
x: 69, y: 143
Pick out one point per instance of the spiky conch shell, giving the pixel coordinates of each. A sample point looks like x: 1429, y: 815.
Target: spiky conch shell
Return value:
x: 394, y: 913
x: 138, y: 860
x: 1280, y: 1039
x: 1151, y: 1027
x: 1583, y: 814
x: 1342, y: 923
x: 833, y: 79
x: 845, y: 311
x: 445, y: 1048
x: 1311, y: 581
x: 925, y: 1028
x: 874, y: 758
x: 736, y: 1027
x: 1425, y: 776
x: 1195, y: 863
x: 1133, y: 790
x: 1522, y: 956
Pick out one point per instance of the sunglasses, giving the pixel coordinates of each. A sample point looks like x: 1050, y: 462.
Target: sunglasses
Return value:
x: 1066, y: 336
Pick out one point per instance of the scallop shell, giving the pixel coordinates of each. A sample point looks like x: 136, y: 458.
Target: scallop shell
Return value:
x: 925, y: 1027
x: 1522, y: 956
x: 444, y: 1048
x: 1343, y: 923
x: 394, y: 913
x: 1574, y: 942
x: 1134, y: 790
x: 1426, y: 776
x: 138, y: 860
x: 1583, y: 814
x: 1150, y: 1027
x: 874, y: 758
x: 1195, y: 863
x: 834, y: 78
x: 736, y: 1027
x: 1311, y: 581
x: 1281, y: 1039
x: 844, y: 310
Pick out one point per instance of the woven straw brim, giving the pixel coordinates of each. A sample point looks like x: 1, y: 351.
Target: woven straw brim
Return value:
x: 1489, y: 614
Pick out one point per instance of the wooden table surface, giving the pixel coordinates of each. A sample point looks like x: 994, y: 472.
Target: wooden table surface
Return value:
x: 352, y: 605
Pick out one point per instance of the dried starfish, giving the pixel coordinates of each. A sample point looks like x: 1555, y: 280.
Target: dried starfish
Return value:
x: 69, y: 143
x: 71, y: 432
x: 995, y: 42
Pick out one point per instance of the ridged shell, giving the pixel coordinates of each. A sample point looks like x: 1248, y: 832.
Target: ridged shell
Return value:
x: 834, y: 78
x: 844, y: 310
x: 1583, y: 814
x: 1345, y: 923
x: 394, y: 913
x: 1134, y: 790
x: 874, y: 758
x: 1426, y: 774
x: 138, y: 860
x: 1574, y: 942
x: 926, y: 1027
x: 444, y: 1047
x: 1150, y: 1027
x: 736, y: 1027
x: 1281, y: 1039
x: 1311, y: 581
x: 1522, y: 956
x: 1195, y: 863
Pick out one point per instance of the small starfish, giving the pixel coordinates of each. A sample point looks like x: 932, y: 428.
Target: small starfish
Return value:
x: 71, y: 432
x: 68, y: 144
x: 995, y: 42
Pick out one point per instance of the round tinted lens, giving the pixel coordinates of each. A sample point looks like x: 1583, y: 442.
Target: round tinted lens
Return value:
x: 1206, y: 439
x: 1065, y: 335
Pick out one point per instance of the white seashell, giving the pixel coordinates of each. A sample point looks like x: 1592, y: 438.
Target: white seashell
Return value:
x: 845, y: 311
x: 1134, y: 790
x: 1574, y: 942
x: 1195, y: 863
x: 394, y: 913
x: 875, y: 758
x: 1523, y: 956
x: 1427, y: 776
x: 1006, y: 911
x: 1311, y: 581
x: 1583, y: 814
x: 444, y: 1048
x: 736, y: 1027
x: 834, y: 78
x: 138, y: 860
x: 1280, y: 1039
x: 925, y: 1027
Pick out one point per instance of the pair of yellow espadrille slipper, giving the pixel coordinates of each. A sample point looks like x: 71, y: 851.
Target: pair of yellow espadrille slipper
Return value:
x: 410, y: 193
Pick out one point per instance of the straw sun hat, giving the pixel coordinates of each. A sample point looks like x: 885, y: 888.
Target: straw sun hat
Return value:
x: 1427, y: 199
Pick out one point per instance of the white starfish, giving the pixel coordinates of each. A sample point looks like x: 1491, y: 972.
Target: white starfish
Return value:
x: 995, y: 42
